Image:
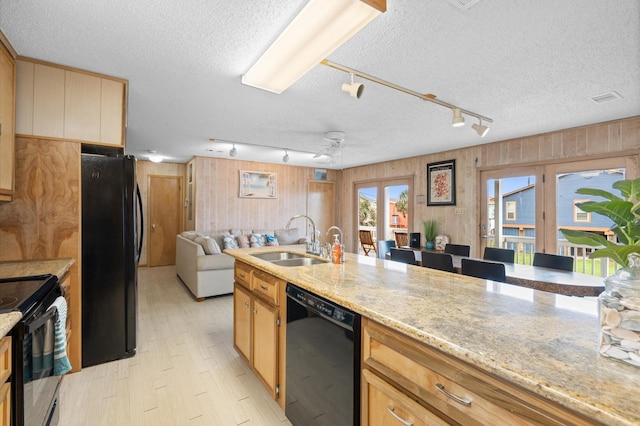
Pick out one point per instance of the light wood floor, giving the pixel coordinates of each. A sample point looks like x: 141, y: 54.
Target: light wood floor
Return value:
x: 185, y: 372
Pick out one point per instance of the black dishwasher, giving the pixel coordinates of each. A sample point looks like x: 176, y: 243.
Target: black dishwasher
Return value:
x: 323, y: 361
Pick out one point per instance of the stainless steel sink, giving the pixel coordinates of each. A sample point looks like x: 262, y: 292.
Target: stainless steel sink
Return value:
x: 278, y: 255
x: 300, y: 261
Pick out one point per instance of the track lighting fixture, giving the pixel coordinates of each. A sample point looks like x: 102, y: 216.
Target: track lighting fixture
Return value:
x: 354, y: 89
x: 482, y: 130
x: 233, y: 151
x: 285, y: 158
x: 458, y: 119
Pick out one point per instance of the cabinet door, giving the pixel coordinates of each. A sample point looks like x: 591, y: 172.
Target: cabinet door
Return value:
x: 265, y: 343
x: 82, y: 106
x: 111, y: 112
x: 48, y: 101
x: 7, y: 121
x: 242, y: 321
x: 384, y: 405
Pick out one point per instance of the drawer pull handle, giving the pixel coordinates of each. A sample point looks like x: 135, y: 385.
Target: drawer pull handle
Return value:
x: 398, y: 418
x: 264, y: 287
x: 464, y: 401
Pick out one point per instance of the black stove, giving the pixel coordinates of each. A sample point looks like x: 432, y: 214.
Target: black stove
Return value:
x: 23, y: 293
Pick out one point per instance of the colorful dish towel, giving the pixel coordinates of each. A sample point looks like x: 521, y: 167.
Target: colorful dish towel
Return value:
x: 61, y: 364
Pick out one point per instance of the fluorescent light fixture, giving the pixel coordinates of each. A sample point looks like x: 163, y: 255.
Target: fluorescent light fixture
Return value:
x: 319, y: 29
x: 482, y: 130
x: 458, y: 119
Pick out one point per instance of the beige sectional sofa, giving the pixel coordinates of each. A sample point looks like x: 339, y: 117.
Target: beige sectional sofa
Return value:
x: 206, y: 271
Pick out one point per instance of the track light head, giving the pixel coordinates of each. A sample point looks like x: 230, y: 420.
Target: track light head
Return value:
x: 482, y: 130
x: 458, y: 119
x: 233, y: 151
x: 354, y: 89
x: 285, y: 158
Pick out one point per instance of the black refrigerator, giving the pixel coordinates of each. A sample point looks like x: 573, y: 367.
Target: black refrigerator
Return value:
x: 111, y: 243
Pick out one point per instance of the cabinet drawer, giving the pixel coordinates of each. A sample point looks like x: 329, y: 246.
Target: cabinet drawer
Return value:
x: 242, y: 273
x: 266, y: 286
x: 5, y: 404
x: 5, y: 358
x: 384, y: 405
x: 454, y: 388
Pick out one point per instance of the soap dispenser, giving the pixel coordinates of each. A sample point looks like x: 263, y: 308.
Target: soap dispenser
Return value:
x: 336, y: 250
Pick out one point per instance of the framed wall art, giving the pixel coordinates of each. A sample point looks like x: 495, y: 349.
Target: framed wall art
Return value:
x: 441, y: 183
x: 258, y: 184
x: 320, y: 174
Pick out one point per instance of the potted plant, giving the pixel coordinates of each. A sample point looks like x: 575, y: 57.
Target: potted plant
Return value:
x: 619, y: 304
x: 430, y: 232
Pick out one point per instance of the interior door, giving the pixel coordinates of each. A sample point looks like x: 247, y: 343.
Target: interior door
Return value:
x: 165, y: 207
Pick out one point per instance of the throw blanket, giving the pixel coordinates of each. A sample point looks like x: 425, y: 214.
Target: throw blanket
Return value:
x: 61, y: 364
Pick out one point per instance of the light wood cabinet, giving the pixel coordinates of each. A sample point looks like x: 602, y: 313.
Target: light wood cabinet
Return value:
x: 5, y: 387
x: 64, y: 103
x: 257, y: 334
x: 445, y: 387
x: 7, y: 120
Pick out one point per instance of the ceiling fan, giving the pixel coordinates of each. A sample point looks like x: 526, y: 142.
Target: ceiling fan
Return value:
x: 334, y: 146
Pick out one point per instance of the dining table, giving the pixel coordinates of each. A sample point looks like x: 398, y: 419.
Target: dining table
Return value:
x: 568, y: 283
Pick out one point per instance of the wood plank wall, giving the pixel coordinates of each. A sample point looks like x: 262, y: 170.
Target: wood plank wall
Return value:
x: 620, y: 136
x: 44, y: 219
x: 218, y: 206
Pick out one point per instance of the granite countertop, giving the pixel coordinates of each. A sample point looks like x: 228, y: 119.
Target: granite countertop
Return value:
x: 544, y: 342
x: 25, y: 268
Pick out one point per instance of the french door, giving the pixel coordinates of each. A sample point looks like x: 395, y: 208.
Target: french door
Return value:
x: 524, y: 208
x: 384, y: 207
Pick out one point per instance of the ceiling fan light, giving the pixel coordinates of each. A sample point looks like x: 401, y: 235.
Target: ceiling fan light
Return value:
x: 480, y: 129
x: 458, y: 119
x: 154, y: 157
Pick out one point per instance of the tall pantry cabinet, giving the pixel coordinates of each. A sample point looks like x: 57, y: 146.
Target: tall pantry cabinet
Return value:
x: 7, y: 118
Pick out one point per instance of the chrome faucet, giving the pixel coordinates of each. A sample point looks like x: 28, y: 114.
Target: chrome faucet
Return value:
x: 341, y: 240
x: 314, y: 246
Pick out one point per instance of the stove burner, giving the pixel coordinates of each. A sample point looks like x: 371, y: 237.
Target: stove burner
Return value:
x: 8, y: 301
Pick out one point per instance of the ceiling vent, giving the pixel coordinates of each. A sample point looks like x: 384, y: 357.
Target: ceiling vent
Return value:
x: 606, y: 97
x: 463, y: 4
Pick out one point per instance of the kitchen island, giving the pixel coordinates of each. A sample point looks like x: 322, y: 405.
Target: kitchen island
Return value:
x: 543, y: 343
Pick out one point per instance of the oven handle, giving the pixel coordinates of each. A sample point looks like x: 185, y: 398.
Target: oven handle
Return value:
x: 38, y: 322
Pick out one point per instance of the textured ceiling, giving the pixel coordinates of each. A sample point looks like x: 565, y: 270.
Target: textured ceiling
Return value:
x: 532, y: 66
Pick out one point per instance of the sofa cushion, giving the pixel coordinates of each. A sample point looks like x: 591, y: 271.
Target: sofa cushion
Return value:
x: 258, y: 240
x: 271, y: 240
x: 243, y: 241
x: 208, y: 244
x: 190, y: 235
x: 230, y: 242
x: 263, y: 231
x: 288, y: 236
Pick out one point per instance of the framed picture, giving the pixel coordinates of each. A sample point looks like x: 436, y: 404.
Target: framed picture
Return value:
x: 321, y: 174
x: 441, y: 183
x: 258, y: 184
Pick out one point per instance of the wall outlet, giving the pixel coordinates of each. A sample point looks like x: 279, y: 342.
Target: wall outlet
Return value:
x: 460, y: 210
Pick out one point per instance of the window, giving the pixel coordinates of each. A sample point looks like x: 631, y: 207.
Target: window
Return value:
x: 511, y: 210
x: 580, y: 215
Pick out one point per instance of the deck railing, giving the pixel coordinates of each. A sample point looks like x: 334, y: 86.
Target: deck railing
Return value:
x: 525, y: 247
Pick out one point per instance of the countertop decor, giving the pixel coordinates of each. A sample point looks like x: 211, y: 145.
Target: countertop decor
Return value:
x: 543, y: 342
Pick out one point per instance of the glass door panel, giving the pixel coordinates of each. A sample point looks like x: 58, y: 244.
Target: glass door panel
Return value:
x: 367, y: 212
x: 396, y: 213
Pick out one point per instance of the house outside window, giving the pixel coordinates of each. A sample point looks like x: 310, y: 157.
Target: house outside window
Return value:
x: 511, y: 210
x: 580, y: 215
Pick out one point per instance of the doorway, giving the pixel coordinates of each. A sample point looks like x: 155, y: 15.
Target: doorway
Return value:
x: 165, y: 196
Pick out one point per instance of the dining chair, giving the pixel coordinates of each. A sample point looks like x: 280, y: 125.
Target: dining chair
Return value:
x: 441, y: 261
x: 366, y: 241
x: 482, y: 269
x: 384, y: 246
x: 402, y: 239
x: 553, y: 261
x: 404, y: 256
x: 457, y: 249
x: 499, y: 254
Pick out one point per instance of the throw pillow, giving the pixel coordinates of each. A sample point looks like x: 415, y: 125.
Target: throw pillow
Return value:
x: 230, y: 242
x: 243, y: 241
x: 257, y: 240
x: 272, y: 241
x: 288, y: 236
x: 209, y: 245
